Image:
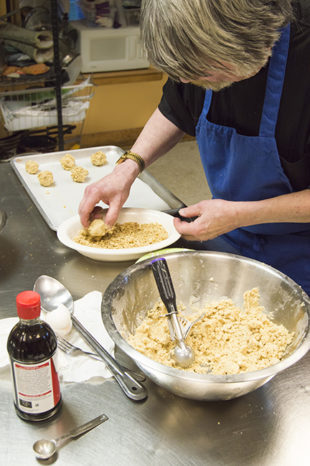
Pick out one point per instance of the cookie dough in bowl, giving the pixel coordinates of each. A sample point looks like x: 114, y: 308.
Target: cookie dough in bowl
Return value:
x: 201, y: 278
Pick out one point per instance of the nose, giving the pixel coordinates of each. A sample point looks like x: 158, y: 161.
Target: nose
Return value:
x: 184, y: 81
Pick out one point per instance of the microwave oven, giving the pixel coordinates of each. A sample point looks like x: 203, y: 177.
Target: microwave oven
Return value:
x: 108, y: 49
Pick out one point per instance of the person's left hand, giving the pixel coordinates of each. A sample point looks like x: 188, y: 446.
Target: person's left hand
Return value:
x: 215, y: 217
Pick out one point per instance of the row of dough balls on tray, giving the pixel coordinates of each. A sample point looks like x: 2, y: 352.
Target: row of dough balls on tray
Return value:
x: 78, y: 174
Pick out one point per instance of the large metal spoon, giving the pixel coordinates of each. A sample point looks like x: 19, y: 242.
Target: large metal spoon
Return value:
x: 52, y: 294
x: 45, y: 449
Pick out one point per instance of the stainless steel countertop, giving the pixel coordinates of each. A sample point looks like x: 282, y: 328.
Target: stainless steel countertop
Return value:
x: 267, y: 427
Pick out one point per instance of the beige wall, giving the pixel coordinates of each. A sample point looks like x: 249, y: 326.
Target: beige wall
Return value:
x: 2, y: 8
x: 122, y: 106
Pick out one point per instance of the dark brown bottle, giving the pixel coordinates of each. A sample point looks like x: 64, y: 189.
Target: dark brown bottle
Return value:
x: 31, y: 346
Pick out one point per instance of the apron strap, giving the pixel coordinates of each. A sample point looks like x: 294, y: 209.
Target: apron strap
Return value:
x: 274, y: 85
x: 206, y: 104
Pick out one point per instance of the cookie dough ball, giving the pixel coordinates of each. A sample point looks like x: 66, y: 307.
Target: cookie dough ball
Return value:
x: 98, y: 158
x: 67, y: 162
x: 79, y: 174
x: 32, y: 167
x: 98, y: 228
x: 46, y: 178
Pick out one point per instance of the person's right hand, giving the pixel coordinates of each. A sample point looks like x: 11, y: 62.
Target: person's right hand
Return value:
x: 113, y: 190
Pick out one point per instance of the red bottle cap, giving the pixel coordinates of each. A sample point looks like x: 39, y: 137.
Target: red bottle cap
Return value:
x: 28, y: 305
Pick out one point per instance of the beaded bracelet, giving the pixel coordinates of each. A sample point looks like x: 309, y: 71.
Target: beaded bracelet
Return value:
x: 132, y: 156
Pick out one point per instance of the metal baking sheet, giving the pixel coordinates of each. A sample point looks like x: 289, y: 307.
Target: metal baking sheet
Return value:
x: 61, y: 200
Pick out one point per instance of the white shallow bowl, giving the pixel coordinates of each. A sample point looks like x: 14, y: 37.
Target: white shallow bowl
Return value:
x: 70, y: 227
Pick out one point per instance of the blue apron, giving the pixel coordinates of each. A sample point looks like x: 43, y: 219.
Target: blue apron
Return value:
x: 248, y: 168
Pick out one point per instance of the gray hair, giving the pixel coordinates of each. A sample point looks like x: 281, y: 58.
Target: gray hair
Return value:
x: 188, y: 38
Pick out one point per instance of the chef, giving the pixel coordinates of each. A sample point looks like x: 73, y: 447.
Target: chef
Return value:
x: 239, y: 80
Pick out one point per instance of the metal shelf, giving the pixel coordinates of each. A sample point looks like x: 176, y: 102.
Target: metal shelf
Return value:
x: 54, y: 78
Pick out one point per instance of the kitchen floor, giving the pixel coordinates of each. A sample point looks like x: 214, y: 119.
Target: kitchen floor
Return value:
x: 181, y: 172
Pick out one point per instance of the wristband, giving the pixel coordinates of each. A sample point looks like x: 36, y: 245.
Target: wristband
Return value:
x: 132, y: 156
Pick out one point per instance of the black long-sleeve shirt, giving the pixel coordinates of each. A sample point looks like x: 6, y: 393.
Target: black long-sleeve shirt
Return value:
x: 240, y: 105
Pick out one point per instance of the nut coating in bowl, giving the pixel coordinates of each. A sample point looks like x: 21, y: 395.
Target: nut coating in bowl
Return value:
x: 70, y: 228
x: 204, y: 276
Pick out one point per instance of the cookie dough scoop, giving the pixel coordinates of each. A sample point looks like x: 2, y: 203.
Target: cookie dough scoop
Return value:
x: 182, y: 353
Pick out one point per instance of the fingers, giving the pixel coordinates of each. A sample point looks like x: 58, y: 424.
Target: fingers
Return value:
x: 190, y: 225
x: 112, y: 213
x: 97, y: 212
x: 187, y: 230
x: 215, y: 217
x: 191, y: 211
x: 113, y: 190
x: 90, y: 198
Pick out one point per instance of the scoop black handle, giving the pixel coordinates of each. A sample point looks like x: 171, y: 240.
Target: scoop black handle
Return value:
x: 182, y: 353
x: 176, y: 213
x: 164, y: 283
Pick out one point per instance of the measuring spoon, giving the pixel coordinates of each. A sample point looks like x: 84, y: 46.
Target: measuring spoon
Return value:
x: 45, y: 449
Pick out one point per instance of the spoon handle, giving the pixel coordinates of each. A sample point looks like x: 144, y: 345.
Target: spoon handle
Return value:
x: 81, y: 429
x: 130, y: 386
x: 139, y: 376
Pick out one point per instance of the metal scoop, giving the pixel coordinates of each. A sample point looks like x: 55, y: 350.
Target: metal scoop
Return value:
x: 187, y: 324
x: 45, y: 448
x: 182, y: 353
x: 52, y: 294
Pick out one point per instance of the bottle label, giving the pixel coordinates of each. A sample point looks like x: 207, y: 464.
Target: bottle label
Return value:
x: 36, y: 386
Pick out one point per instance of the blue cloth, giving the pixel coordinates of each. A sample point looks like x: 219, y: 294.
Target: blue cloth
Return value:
x: 75, y: 12
x: 248, y: 168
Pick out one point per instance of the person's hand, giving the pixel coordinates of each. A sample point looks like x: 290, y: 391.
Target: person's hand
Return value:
x: 215, y: 217
x: 113, y: 190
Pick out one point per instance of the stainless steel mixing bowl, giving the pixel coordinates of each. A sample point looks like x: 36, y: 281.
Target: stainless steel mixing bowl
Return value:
x: 199, y: 277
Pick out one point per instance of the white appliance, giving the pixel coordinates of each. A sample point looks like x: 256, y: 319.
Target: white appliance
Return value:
x: 108, y: 49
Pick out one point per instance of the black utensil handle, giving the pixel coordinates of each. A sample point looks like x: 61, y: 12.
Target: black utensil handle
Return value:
x: 176, y: 213
x: 163, y: 280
